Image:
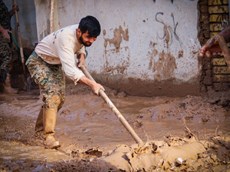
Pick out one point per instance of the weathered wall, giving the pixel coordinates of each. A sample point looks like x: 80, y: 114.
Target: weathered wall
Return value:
x: 146, y: 47
x: 27, y: 21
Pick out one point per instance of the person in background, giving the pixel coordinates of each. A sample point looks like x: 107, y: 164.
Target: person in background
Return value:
x: 218, y: 45
x: 61, y: 51
x: 5, y: 49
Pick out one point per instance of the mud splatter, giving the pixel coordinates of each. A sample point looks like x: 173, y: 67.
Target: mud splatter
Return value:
x: 180, y: 54
x: 152, y: 54
x: 118, y: 34
x: 165, y: 66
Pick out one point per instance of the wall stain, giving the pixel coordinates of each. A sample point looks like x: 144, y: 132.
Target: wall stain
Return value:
x: 118, y: 69
x: 151, y: 55
x: 118, y: 34
x: 123, y: 62
x: 180, y: 54
x: 165, y: 66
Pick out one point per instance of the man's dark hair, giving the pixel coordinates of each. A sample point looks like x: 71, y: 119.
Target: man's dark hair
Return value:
x: 90, y: 24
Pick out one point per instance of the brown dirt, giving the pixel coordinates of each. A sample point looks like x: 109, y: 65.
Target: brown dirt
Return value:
x: 92, y: 138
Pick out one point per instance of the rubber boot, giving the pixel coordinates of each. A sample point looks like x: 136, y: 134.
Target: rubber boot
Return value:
x: 39, y: 123
x: 49, y: 122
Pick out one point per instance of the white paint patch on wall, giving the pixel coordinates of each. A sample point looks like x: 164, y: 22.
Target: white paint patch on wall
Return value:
x: 139, y: 39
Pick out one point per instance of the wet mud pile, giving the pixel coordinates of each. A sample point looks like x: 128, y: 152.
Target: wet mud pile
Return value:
x: 180, y: 134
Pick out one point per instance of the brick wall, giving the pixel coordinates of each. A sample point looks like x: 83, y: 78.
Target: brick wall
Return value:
x: 214, y: 15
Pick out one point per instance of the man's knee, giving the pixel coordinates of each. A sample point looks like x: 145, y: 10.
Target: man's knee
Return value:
x: 54, y: 101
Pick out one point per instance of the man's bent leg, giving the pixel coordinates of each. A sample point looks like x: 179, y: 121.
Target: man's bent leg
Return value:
x: 52, y: 84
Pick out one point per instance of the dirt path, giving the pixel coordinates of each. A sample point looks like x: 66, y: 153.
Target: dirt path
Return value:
x: 93, y: 139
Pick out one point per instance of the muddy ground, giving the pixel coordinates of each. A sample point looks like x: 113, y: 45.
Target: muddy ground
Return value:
x: 186, y: 134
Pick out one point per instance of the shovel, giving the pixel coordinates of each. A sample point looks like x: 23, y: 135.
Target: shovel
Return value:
x: 115, y: 110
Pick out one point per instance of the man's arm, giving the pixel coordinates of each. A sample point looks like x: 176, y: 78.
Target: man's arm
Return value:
x: 217, y: 45
x: 212, y: 45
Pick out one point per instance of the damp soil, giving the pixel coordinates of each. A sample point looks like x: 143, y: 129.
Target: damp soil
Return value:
x: 188, y: 134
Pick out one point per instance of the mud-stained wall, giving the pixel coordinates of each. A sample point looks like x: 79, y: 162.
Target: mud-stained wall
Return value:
x: 146, y: 47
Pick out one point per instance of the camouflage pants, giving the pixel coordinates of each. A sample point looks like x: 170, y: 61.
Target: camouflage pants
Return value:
x: 50, y: 79
x: 5, y: 57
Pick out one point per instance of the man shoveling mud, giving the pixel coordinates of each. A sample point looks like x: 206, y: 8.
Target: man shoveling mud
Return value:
x: 56, y: 52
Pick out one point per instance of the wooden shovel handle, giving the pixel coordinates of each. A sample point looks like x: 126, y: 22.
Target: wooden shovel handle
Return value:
x: 115, y: 110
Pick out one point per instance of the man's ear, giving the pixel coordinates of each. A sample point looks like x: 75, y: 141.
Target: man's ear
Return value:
x: 78, y: 32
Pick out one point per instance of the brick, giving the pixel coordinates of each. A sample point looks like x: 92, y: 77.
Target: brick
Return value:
x: 221, y: 70
x: 217, y: 17
x: 204, y: 17
x: 217, y: 2
x: 219, y: 62
x: 218, y: 9
x: 213, y: 34
x: 215, y: 27
x: 221, y: 78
